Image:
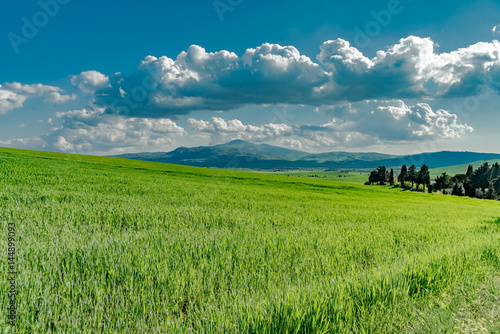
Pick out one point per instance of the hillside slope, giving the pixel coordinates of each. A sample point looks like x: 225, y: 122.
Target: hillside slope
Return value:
x: 461, y: 169
x: 117, y: 245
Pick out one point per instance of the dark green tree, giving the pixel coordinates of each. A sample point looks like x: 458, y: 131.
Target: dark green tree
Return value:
x: 491, y: 193
x: 495, y: 172
x: 379, y: 175
x: 391, y: 177
x: 457, y: 190
x: 412, y: 174
x: 468, y: 184
x: 402, y: 176
x: 459, y: 178
x: 481, y: 177
x: 382, y: 175
x: 496, y: 186
x: 373, y: 177
x: 470, y: 170
x: 424, y: 176
x: 442, y: 182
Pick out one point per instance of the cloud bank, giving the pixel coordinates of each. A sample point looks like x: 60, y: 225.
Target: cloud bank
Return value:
x: 352, y: 125
x: 274, y: 74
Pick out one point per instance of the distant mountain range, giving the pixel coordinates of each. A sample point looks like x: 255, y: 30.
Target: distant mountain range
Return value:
x: 242, y: 154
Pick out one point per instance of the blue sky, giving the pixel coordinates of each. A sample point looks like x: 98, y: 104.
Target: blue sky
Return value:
x: 388, y: 76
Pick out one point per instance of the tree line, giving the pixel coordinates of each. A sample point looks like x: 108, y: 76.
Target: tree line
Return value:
x: 483, y: 182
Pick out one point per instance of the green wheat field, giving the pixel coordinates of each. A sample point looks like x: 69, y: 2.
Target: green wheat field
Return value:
x: 107, y: 245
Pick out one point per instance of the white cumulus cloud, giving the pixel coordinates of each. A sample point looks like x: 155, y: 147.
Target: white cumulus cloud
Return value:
x: 90, y: 81
x: 352, y: 125
x: 14, y: 95
x: 221, y: 130
x: 92, y: 131
x: 392, y: 121
x: 33, y: 143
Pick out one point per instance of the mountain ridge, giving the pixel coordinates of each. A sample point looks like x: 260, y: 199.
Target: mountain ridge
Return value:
x: 243, y: 154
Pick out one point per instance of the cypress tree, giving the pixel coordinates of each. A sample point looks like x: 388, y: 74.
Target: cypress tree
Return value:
x: 496, y: 185
x: 495, y: 172
x: 424, y: 176
x: 469, y: 188
x: 470, y: 170
x: 402, y: 176
x: 412, y: 174
x: 382, y: 175
x: 480, y: 178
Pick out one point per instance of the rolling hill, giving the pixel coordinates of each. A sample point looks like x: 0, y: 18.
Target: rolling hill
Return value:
x: 461, y: 169
x: 242, y: 154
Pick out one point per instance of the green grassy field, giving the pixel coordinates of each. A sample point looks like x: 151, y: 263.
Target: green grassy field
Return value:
x: 352, y: 176
x: 122, y: 246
